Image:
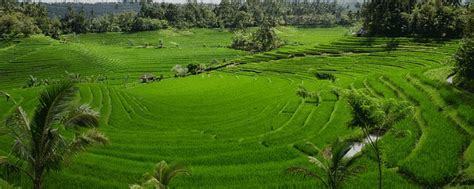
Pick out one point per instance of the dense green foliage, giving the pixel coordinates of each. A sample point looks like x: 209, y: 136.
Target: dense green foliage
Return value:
x: 374, y: 115
x: 242, y: 14
x: 465, y: 63
x: 5, y: 185
x: 262, y: 40
x: 23, y: 19
x: 431, y: 18
x: 16, y: 25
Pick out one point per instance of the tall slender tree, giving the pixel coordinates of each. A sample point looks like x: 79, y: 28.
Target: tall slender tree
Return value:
x: 375, y: 116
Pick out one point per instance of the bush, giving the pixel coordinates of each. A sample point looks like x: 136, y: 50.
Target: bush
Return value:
x: 17, y: 25
x: 243, y: 40
x: 432, y: 20
x: 465, y: 64
x: 180, y: 71
x: 215, y: 61
x: 34, y: 82
x: 52, y: 28
x: 148, y: 24
x: 264, y: 39
x: 427, y: 19
x: 99, y: 25
x: 325, y: 76
x: 196, y: 68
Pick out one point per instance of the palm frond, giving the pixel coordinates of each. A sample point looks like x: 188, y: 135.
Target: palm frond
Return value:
x: 340, y: 149
x: 153, y: 183
x: 160, y: 171
x: 82, y: 116
x: 313, y: 146
x: 317, y: 162
x: 12, y: 166
x: 302, y: 170
x: 349, y: 161
x: 55, y: 147
x: 136, y: 186
x: 19, y: 127
x: 165, y: 172
x: 53, y: 105
x: 90, y: 137
x: 306, y: 172
x: 18, y: 121
x: 7, y: 96
x: 354, y: 170
x: 176, y: 169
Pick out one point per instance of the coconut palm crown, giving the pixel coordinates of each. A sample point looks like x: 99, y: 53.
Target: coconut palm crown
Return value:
x: 333, y: 162
x: 38, y: 142
x: 162, y: 175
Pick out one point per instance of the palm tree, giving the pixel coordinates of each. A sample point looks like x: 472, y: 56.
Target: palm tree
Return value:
x: 333, y: 162
x: 38, y: 143
x: 162, y: 175
x: 375, y: 115
x: 7, y: 96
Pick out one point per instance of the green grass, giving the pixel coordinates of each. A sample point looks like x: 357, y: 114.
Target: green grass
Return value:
x: 243, y: 125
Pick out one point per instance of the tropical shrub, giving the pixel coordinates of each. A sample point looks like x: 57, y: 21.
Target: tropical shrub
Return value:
x: 264, y: 39
x: 325, y: 76
x: 180, y: 71
x: 17, y: 25
x: 196, y: 68
x: 162, y: 175
x: 148, y: 24
x: 375, y: 115
x: 334, y: 163
x: 465, y: 64
x: 431, y: 18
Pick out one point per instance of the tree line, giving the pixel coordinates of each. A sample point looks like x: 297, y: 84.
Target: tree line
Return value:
x: 24, y: 19
x: 425, y: 19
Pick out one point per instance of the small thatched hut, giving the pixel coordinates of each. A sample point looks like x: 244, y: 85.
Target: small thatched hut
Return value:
x: 148, y: 78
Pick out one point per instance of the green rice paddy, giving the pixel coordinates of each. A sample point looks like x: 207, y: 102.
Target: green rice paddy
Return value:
x: 241, y: 125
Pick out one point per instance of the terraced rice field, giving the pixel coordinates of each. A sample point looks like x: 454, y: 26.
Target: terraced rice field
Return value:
x: 241, y: 124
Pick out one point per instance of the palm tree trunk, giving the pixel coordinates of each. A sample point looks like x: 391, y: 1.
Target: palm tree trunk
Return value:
x: 37, y: 183
x: 375, y: 147
x: 379, y: 160
x: 38, y: 179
